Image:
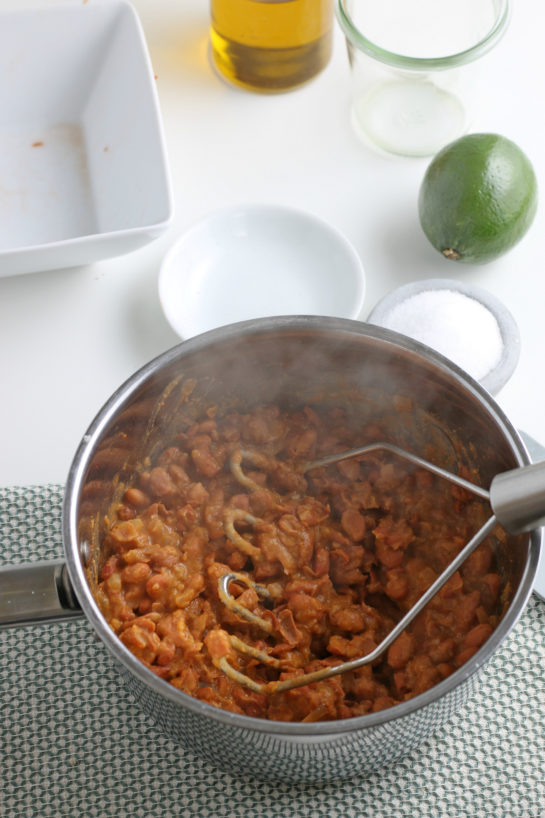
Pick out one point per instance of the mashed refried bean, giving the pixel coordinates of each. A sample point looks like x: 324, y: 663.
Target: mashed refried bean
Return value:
x: 344, y: 551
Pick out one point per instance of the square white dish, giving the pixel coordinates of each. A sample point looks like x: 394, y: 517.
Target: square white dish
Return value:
x: 83, y: 167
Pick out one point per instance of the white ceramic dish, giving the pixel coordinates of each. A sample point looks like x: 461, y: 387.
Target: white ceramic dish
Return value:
x: 465, y: 341
x: 255, y: 261
x: 83, y: 170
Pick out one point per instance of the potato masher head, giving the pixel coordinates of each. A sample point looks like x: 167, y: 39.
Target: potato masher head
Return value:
x: 517, y: 501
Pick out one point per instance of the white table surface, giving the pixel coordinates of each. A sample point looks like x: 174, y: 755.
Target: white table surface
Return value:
x: 69, y: 337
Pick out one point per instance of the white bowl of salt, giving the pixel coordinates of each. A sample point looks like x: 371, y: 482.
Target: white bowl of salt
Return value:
x: 466, y: 324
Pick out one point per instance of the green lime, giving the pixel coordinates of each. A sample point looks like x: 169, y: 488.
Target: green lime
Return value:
x: 478, y: 198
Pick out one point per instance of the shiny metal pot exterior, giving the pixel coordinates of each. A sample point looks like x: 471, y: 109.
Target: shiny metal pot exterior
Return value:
x: 312, y: 757
x: 285, y: 359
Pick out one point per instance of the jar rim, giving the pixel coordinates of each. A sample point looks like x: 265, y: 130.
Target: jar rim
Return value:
x: 485, y: 44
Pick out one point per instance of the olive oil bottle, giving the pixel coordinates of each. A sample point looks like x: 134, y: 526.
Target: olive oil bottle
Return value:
x: 270, y: 45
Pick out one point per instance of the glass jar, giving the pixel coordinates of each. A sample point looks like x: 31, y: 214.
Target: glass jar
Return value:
x: 416, y: 67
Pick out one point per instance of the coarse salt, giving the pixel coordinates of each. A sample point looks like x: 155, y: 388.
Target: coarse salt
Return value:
x: 456, y: 325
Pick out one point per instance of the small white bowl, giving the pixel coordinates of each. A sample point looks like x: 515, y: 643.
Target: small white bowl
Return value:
x: 82, y: 156
x: 487, y: 333
x: 257, y: 261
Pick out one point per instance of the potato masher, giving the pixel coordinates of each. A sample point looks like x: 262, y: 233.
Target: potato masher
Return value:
x: 517, y: 501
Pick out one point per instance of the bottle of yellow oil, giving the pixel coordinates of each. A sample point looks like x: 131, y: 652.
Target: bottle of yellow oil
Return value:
x: 270, y: 45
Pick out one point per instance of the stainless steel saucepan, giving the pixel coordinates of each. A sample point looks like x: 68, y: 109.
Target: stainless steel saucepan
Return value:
x: 289, y: 361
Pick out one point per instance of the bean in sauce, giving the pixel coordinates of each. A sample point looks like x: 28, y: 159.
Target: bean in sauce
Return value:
x: 344, y: 551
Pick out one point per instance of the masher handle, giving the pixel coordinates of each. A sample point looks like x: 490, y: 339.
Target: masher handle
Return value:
x: 517, y: 498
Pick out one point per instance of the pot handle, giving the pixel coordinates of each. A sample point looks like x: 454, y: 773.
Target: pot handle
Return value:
x: 36, y: 592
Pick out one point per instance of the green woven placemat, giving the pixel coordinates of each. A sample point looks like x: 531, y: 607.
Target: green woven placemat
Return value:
x: 74, y: 744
